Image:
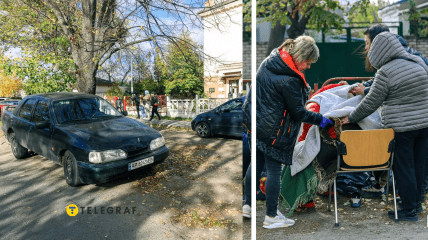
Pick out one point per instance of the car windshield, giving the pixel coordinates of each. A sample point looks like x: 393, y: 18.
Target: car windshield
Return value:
x: 83, y: 109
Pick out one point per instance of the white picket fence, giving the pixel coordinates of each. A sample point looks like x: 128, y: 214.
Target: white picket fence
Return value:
x: 189, y: 108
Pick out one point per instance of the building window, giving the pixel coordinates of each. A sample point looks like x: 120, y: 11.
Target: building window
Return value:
x: 212, y: 90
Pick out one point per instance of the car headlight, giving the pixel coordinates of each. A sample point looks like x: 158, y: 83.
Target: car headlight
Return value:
x: 107, y: 156
x: 157, y: 143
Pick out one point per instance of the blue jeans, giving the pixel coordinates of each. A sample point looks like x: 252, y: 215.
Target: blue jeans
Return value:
x: 409, y: 165
x: 273, y: 182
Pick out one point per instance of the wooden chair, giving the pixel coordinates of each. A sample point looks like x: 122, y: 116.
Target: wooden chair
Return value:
x: 365, y: 150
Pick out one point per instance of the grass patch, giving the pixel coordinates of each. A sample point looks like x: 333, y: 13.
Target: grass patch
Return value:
x: 177, y: 118
x: 159, y: 128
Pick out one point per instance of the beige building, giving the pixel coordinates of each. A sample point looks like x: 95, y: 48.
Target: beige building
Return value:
x: 223, y: 73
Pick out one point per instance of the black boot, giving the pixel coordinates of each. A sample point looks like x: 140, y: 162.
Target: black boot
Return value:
x: 405, y: 215
x: 419, y: 208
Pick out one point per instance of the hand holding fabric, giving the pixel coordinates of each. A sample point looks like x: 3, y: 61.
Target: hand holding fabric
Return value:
x: 358, y: 90
x: 326, y: 123
x: 345, y: 120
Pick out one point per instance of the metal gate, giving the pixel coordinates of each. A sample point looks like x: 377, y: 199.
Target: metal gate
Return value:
x: 341, y: 59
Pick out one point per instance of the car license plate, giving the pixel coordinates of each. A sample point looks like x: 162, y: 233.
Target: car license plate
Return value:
x: 140, y: 163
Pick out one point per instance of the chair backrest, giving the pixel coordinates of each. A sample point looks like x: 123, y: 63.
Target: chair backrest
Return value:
x: 367, y: 147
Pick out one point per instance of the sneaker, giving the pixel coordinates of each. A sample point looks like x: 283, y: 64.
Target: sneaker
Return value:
x: 277, y: 222
x: 356, y: 201
x: 374, y: 189
x: 280, y: 215
x: 404, y: 215
x: 246, y: 211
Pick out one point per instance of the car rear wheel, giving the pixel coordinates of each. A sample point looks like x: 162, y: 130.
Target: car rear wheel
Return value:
x: 203, y: 130
x: 18, y: 151
x: 71, y: 172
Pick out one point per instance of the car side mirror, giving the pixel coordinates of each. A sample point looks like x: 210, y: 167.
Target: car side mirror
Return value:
x: 42, y: 125
x: 226, y: 110
x: 125, y: 113
x: 218, y: 110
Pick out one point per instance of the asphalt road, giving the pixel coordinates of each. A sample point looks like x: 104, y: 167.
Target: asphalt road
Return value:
x: 34, y: 197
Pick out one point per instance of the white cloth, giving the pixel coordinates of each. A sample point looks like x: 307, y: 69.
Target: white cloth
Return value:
x: 333, y: 103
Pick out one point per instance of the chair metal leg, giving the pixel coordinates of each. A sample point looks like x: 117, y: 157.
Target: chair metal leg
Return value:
x: 387, y: 188
x: 329, y: 198
x: 335, y: 204
x: 395, y: 197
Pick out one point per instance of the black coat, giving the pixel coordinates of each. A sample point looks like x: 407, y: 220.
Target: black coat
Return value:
x: 281, y: 97
x: 136, y: 99
x: 154, y: 101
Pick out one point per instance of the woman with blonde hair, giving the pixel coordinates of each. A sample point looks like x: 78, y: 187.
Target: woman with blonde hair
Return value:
x: 282, y: 92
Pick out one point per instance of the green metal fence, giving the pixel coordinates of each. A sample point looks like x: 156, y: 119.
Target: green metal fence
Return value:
x: 342, y: 58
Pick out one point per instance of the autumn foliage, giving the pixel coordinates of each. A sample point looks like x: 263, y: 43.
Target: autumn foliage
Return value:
x: 9, y: 85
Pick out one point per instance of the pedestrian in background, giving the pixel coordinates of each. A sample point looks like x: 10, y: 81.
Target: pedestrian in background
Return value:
x: 155, y: 103
x: 146, y: 103
x: 136, y: 100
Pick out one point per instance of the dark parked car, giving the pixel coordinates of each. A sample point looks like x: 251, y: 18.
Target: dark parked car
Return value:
x: 85, y: 134
x: 225, y: 119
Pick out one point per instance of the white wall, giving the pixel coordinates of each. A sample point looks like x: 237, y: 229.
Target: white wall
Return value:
x: 223, y: 41
x: 391, y: 14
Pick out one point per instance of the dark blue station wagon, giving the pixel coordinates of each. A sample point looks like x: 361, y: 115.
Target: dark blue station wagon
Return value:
x: 225, y: 119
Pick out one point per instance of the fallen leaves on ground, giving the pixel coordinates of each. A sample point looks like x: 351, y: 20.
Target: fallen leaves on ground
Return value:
x: 201, y: 218
x: 185, y: 161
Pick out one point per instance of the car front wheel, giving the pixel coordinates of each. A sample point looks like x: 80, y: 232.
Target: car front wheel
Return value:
x: 71, y: 172
x: 203, y: 130
x: 18, y: 151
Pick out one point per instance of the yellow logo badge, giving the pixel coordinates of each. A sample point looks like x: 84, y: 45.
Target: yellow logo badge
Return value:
x: 72, y: 210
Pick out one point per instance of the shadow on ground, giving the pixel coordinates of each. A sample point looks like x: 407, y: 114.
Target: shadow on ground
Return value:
x: 201, y: 175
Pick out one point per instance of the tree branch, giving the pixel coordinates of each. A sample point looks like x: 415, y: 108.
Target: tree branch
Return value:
x: 105, y: 58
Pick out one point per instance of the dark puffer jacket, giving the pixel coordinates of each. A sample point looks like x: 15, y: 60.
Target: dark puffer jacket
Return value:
x: 281, y: 97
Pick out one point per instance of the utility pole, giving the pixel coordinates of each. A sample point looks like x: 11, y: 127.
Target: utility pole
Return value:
x: 132, y: 81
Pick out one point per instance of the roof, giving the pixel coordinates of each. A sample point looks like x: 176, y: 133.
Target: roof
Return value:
x: 103, y: 82
x: 404, y: 4
x: 399, y: 2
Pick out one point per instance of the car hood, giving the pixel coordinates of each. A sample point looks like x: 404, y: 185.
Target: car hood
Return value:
x: 119, y: 133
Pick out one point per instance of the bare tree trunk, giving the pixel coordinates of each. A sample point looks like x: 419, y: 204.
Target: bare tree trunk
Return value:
x: 276, y: 37
x: 298, y: 25
x: 86, y: 82
x: 296, y: 29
